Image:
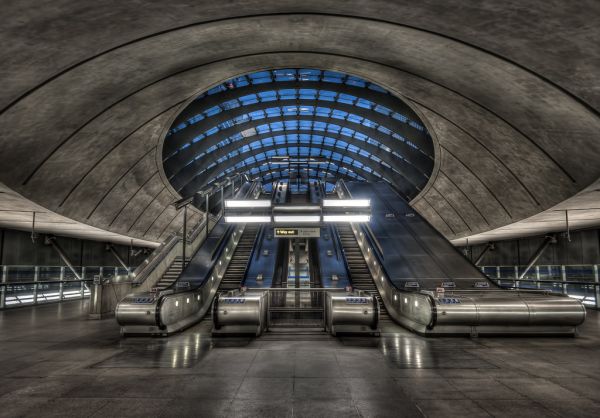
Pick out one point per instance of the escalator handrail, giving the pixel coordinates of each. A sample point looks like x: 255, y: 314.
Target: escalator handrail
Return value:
x: 221, y: 243
x: 254, y: 250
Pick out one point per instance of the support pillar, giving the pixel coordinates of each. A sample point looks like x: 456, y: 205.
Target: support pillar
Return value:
x: 52, y: 241
x: 115, y: 254
x: 549, y: 240
x: 488, y: 247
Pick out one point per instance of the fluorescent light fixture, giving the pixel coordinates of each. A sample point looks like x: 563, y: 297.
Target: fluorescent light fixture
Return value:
x: 292, y: 208
x: 247, y: 219
x: 347, y: 203
x: 346, y: 218
x: 248, y: 203
x: 297, y: 218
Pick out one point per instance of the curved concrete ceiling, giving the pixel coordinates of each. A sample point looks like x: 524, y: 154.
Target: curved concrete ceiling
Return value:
x: 509, y: 91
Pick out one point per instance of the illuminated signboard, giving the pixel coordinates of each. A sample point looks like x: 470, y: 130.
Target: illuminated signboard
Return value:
x: 297, y: 232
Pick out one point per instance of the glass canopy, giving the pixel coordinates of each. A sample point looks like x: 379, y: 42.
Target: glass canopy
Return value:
x: 357, y: 129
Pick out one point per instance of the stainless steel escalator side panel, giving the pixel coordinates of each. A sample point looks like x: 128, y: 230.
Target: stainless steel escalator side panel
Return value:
x: 138, y: 309
x: 559, y: 309
x: 238, y: 312
x: 509, y: 308
x: 351, y: 312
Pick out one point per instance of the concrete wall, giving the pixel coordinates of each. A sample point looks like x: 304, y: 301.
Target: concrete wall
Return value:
x: 16, y: 248
x: 584, y: 248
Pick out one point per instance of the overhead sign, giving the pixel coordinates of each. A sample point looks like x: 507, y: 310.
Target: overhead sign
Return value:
x: 297, y: 232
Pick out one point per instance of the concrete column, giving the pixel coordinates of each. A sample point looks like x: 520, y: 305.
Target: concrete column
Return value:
x: 537, y: 277
x: 516, y: 282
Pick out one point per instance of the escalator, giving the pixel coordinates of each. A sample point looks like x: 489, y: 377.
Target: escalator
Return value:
x: 429, y: 287
x: 187, y: 299
x: 236, y: 272
x: 359, y: 273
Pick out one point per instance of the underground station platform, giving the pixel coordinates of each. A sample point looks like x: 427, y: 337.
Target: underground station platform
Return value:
x: 258, y: 208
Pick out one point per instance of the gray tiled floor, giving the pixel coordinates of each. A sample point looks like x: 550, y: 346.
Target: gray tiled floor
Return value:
x: 54, y: 362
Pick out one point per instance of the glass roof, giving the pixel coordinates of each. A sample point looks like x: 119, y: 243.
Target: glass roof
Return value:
x: 294, y: 95
x: 357, y: 136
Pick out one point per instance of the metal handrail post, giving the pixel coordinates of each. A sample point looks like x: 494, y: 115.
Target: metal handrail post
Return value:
x: 61, y: 287
x: 36, y: 276
x: 82, y: 290
x: 3, y: 289
x: 597, y: 286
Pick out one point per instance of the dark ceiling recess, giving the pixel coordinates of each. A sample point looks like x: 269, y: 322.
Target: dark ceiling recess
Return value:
x: 352, y: 129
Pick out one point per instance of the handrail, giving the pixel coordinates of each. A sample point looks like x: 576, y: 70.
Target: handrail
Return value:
x: 373, y: 239
x: 292, y: 289
x: 222, y: 242
x: 45, y: 281
x: 508, y: 279
x: 158, y: 255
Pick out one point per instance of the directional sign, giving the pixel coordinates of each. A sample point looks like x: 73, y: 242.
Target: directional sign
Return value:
x: 297, y: 232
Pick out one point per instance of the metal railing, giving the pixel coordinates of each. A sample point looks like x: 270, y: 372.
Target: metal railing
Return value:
x: 580, y: 281
x: 296, y: 307
x: 167, y: 250
x: 32, y: 285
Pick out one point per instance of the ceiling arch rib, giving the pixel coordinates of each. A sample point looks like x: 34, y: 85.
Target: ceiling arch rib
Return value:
x: 292, y: 138
x: 262, y: 154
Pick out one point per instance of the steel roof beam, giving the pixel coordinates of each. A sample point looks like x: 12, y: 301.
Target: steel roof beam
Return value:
x: 417, y: 137
x: 206, y: 102
x: 191, y: 170
x: 173, y: 164
x: 401, y: 182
